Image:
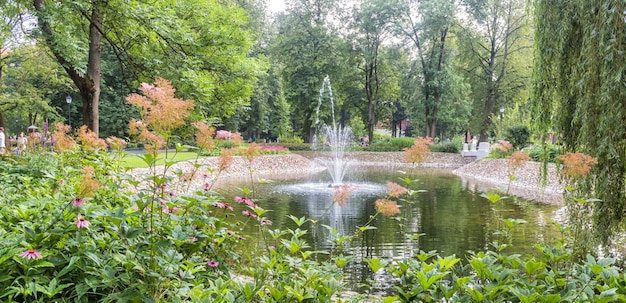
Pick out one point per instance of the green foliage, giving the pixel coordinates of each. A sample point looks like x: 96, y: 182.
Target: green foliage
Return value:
x: 302, y: 48
x: 135, y: 161
x: 380, y: 148
x: 579, y: 95
x: 297, y: 146
x: 496, y: 39
x: 518, y: 136
x: 496, y: 277
x: 290, y: 139
x: 397, y: 143
x: 544, y: 153
x: 30, y: 83
x: 444, y: 148
x: 225, y: 144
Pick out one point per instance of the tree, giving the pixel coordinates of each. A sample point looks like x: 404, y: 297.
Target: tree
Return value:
x: 305, y: 49
x: 9, y: 25
x: 373, y: 22
x: 427, y: 25
x: 33, y: 87
x: 492, y: 34
x: 580, y: 95
x: 268, y: 114
x: 203, y: 50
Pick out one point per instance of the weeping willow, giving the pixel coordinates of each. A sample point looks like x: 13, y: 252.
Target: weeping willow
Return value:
x: 580, y: 94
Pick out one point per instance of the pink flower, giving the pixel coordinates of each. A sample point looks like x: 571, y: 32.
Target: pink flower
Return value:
x: 170, y: 210
x: 224, y: 205
x: 192, y: 239
x: 82, y: 222
x: 31, y: 254
x: 395, y: 190
x: 245, y: 200
x: 211, y: 263
x: 223, y: 135
x: 248, y: 213
x: 266, y: 222
x: 78, y: 202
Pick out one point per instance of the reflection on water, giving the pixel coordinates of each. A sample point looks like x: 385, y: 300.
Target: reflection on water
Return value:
x: 452, y: 216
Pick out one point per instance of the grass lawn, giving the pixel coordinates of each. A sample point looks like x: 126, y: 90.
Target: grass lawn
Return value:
x: 134, y: 161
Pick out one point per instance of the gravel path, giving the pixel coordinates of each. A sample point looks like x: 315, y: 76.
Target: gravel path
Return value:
x: 482, y: 175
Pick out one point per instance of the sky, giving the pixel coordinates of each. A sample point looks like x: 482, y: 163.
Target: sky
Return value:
x: 276, y: 5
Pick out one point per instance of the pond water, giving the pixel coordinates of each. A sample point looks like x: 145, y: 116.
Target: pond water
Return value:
x: 452, y: 216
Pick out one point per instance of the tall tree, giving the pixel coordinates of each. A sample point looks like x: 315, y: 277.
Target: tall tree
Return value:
x: 492, y: 33
x: 268, y: 115
x: 373, y: 22
x: 202, y: 50
x: 427, y: 25
x: 30, y: 87
x: 306, y: 47
x: 580, y: 95
x: 9, y: 29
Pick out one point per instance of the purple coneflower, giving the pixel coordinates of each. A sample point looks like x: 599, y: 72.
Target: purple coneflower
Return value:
x: 211, y: 263
x: 248, y: 213
x: 82, y: 222
x: 78, y: 201
x: 31, y: 254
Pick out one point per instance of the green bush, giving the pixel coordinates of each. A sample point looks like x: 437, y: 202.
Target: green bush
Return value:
x: 518, y: 136
x: 296, y: 146
x: 225, y: 144
x: 444, y: 148
x: 290, y: 139
x: 540, y: 153
x: 380, y: 148
x: 497, y: 277
x: 391, y: 144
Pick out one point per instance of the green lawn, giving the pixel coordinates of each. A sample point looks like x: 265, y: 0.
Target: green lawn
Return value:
x: 134, y: 161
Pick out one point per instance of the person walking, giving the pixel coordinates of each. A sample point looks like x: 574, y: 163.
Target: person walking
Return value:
x: 21, y: 143
x: 2, y: 141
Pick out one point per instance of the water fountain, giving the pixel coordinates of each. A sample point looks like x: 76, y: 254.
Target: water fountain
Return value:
x: 332, y: 137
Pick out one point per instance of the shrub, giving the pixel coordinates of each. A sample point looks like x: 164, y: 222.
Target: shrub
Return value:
x: 380, y: 148
x: 539, y: 153
x: 290, y: 139
x: 444, y: 148
x: 398, y: 144
x: 225, y: 144
x: 518, y: 136
x: 297, y: 146
x: 502, y: 149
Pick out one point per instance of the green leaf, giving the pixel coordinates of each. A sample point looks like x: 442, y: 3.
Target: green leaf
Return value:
x: 492, y: 196
x: 532, y: 266
x: 393, y: 299
x: 376, y: 264
x: 68, y: 267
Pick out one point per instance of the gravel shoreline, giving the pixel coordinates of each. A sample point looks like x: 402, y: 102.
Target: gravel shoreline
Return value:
x: 489, y: 174
x: 482, y: 175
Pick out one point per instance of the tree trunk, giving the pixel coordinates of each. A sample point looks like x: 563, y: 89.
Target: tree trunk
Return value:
x: 91, y: 100
x: 88, y: 84
x: 2, y: 121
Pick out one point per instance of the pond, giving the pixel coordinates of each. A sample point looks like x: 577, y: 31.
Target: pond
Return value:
x: 449, y: 217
